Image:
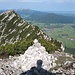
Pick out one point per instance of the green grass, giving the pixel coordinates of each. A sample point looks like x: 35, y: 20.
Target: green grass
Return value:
x: 65, y: 35
x: 60, y: 32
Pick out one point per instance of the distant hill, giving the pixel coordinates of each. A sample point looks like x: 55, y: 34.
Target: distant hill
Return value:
x: 16, y: 35
x: 45, y: 17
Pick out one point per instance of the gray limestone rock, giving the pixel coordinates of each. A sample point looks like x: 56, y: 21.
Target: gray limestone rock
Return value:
x: 18, y: 64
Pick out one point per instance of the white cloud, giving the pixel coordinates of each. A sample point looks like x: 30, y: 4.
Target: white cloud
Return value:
x: 60, y: 1
x: 3, y: 0
x: 31, y: 0
x: 8, y: 0
x: 63, y: 1
x: 48, y: 1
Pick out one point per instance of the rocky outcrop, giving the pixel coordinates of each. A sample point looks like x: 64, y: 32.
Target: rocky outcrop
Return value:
x: 34, y: 53
x: 15, y: 65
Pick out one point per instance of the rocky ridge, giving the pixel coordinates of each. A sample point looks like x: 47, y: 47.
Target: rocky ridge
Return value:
x: 14, y: 28
x: 16, y: 65
x: 16, y: 35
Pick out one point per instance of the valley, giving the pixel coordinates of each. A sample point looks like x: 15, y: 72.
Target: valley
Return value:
x: 59, y: 26
x: 16, y: 35
x: 61, y: 32
x: 37, y: 37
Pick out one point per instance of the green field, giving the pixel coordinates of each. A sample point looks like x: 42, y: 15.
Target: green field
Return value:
x: 60, y: 32
x: 66, y: 34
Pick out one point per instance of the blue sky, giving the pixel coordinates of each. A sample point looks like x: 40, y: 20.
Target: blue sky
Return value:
x: 41, y: 5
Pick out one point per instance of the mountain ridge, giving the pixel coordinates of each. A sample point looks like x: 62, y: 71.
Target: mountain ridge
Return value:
x: 11, y: 19
x: 17, y: 35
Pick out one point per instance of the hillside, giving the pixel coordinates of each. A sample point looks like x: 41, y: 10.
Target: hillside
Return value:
x: 62, y: 31
x: 16, y: 35
x: 44, y: 17
x: 14, y: 26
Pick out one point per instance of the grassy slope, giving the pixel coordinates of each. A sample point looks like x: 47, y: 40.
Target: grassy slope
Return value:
x: 60, y: 32
x: 24, y: 35
x: 57, y: 31
x: 65, y: 34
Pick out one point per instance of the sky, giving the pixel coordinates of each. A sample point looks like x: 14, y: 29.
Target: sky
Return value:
x: 40, y: 5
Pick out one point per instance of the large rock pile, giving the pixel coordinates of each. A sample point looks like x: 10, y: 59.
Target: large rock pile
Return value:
x: 28, y: 59
x: 34, y: 53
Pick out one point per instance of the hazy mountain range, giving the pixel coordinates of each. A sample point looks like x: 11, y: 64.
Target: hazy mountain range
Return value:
x: 45, y: 17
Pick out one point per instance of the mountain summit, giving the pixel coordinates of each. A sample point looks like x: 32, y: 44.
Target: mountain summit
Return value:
x: 14, y: 28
